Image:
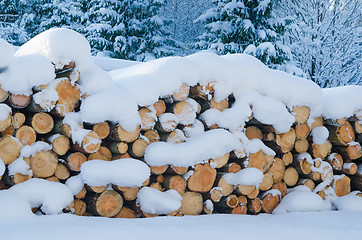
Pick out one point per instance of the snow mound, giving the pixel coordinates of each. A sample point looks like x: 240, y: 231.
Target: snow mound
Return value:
x: 122, y: 172
x: 320, y: 135
x: 6, y: 54
x: 53, y: 197
x: 302, y: 199
x: 350, y: 202
x: 247, y: 176
x: 197, y: 149
x: 153, y: 201
x: 13, y: 205
x: 75, y: 183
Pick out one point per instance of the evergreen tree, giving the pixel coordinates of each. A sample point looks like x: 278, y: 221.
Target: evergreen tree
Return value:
x: 236, y: 26
x: 129, y: 29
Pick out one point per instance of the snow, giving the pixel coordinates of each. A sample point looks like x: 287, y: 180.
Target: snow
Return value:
x: 122, y: 172
x: 168, y: 121
x: 196, y: 149
x: 6, y: 54
x: 196, y: 128
x: 51, y: 196
x: 5, y: 110
x: 19, y: 166
x: 350, y: 202
x: 13, y: 205
x: 109, y: 64
x: 302, y: 199
x: 75, y: 183
x: 359, y: 169
x: 34, y: 148
x: 247, y: 176
x: 153, y: 201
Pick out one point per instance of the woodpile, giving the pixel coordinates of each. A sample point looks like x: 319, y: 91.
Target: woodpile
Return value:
x: 298, y: 160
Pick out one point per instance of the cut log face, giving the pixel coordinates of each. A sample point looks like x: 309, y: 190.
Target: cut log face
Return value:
x: 160, y: 107
x: 287, y: 158
x: 6, y: 123
x: 308, y: 183
x: 129, y: 194
x: 68, y: 97
x: 253, y: 132
x: 221, y: 106
x: 352, y: 152
x: 192, y: 203
x: 106, y: 204
x: 178, y: 170
x: 282, y: 187
x: 301, y: 146
x: 124, y: 136
x: 26, y: 135
x: 301, y: 113
x: 158, y: 170
x: 18, y: 120
x: 358, y: 127
x: 81, y: 194
x: 336, y: 161
x: 78, y: 207
x: 91, y: 142
x: 260, y: 161
x: 269, y: 203
x: 291, y: 176
x: 202, y: 179
x: 321, y: 151
x: 9, y: 149
x: 19, y: 101
x: 220, y: 161
x: 318, y: 122
x: 126, y: 212
x: 226, y: 189
x: 3, y: 95
x: 231, y: 168
x: 277, y: 170
x: 152, y: 136
x: 245, y: 189
x: 75, y: 161
x: 286, y: 140
x: 147, y: 118
x: 254, y: 206
x: 117, y: 147
x: 267, y: 182
x: 61, y: 145
x: 342, y: 186
x: 43, y: 164
x: 42, y: 123
x: 138, y: 148
x: 102, y: 154
x: 302, y: 131
x: 182, y: 93
x: 102, y: 129
x: 176, y: 182
x: 341, y: 135
x: 62, y: 172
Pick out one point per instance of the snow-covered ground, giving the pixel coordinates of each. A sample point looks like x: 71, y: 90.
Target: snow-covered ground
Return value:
x: 322, y: 225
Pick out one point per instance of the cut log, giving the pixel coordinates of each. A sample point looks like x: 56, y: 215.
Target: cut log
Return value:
x: 254, y: 194
x: 202, y: 91
x: 231, y: 201
x: 106, y: 204
x: 81, y: 194
x: 358, y: 127
x: 253, y: 132
x: 94, y: 189
x: 202, y: 179
x: 270, y: 202
x: 352, y: 152
x: 240, y: 209
x: 15, y: 179
x: 117, y: 147
x: 282, y: 187
x: 336, y: 161
x: 308, y: 183
x: 18, y: 120
x: 177, y: 170
x: 9, y: 149
x: 192, y: 203
x: 231, y: 168
x: 254, y: 206
x: 138, y: 148
x: 91, y: 143
x: 303, y: 166
x: 176, y: 182
x: 221, y: 106
x: 226, y: 189
x: 267, y: 182
x: 185, y: 111
x: 148, y: 118
x: 208, y: 207
x: 166, y: 123
x: 287, y: 158
x: 26, y: 135
x: 43, y: 164
x: 68, y: 97
x: 176, y: 136
x: 286, y: 140
x: 60, y: 144
x: 8, y: 131
x: 119, y: 134
x: 157, y: 186
x: 160, y: 107
x: 277, y: 170
x: 302, y: 131
x: 5, y: 123
x: 78, y: 207
x: 341, y: 135
x: 126, y: 212
x: 128, y: 193
x: 260, y: 160
x: 102, y: 154
x: 245, y: 189
x: 61, y: 128
x: 301, y: 114
x: 268, y: 137
x: 52, y: 179
x: 321, y: 151
x: 342, y: 185
x: 291, y: 176
x: 3, y: 94
x: 301, y: 145
x: 102, y: 129
x: 75, y: 160
x: 182, y: 93
x: 19, y: 101
x: 317, y: 122
x: 42, y: 123
x: 214, y: 195
x: 349, y: 168
x: 62, y: 172
x: 158, y: 170
x: 152, y: 136
x: 220, y: 161
x: 335, y: 122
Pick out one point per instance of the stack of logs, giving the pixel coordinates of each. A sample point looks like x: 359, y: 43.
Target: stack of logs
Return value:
x: 203, y: 189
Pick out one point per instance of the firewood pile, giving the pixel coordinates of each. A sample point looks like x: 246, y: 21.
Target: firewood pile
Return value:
x: 329, y: 166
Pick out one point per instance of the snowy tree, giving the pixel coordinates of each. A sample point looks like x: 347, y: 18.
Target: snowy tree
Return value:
x: 236, y: 26
x: 129, y: 29
x: 325, y: 39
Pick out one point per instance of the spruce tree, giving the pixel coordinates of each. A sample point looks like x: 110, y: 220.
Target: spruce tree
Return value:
x: 237, y: 26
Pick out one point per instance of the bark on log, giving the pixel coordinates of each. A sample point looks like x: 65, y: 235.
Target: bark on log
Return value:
x: 117, y: 147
